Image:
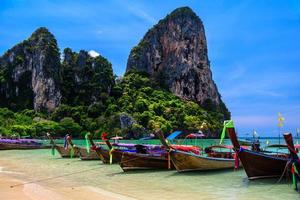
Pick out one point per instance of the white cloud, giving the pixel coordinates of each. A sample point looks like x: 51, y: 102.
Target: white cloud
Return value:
x: 138, y: 12
x: 93, y: 53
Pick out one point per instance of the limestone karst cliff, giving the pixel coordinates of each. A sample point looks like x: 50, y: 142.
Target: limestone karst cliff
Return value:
x: 174, y: 52
x: 30, y: 73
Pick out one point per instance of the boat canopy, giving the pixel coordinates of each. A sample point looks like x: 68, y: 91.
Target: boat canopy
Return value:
x: 173, y: 135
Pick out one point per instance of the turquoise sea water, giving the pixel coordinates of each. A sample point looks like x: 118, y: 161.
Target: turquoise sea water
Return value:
x: 53, y: 171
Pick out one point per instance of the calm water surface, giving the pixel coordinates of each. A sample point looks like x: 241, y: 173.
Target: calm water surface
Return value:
x: 53, y: 171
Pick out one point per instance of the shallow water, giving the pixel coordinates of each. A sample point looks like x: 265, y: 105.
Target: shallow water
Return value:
x: 52, y: 171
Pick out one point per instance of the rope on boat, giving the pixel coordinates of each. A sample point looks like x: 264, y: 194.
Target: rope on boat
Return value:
x: 51, y: 178
x: 284, y: 172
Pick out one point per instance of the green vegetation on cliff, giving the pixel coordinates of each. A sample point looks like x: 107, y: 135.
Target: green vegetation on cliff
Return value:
x: 134, y: 96
x: 41, y: 93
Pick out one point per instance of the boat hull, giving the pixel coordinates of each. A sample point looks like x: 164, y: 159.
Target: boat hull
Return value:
x: 66, y: 153
x: 258, y: 165
x: 184, y: 161
x: 105, y: 157
x: 21, y: 146
x: 84, y: 155
x: 136, y: 161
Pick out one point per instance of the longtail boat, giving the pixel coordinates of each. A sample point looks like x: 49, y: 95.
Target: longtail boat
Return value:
x: 151, y: 157
x: 145, y: 157
x: 85, y: 155
x: 23, y: 144
x: 188, y: 161
x: 96, y: 148
x: 110, y: 155
x: 294, y: 163
x: 114, y: 152
x: 88, y: 153
x: 132, y: 156
x: 69, y: 150
x: 257, y: 165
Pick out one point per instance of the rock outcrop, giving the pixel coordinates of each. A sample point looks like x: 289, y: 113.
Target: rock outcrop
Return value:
x: 29, y: 73
x: 175, y: 52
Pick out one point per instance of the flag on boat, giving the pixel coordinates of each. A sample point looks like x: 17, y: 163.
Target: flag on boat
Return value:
x: 280, y: 120
x: 255, y: 134
x: 226, y: 124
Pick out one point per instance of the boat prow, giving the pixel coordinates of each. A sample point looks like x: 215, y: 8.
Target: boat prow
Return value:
x: 257, y: 165
x: 66, y: 153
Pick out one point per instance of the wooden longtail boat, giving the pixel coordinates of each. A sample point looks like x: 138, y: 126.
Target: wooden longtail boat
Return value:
x: 146, y: 157
x: 103, y: 153
x: 151, y: 157
x: 132, y: 160
x: 186, y: 161
x: 111, y: 153
x: 137, y: 161
x: 257, y: 165
x: 23, y: 144
x: 95, y: 148
x: 85, y: 155
x: 65, y: 152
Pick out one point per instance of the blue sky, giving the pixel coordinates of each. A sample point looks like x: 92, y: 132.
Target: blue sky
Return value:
x: 253, y: 45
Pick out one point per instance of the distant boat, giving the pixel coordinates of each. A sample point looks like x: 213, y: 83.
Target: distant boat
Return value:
x: 257, y: 164
x: 187, y: 161
x: 23, y: 144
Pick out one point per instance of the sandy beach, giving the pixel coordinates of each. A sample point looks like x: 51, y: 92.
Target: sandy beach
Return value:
x: 36, y: 175
x: 21, y: 183
x: 13, y: 189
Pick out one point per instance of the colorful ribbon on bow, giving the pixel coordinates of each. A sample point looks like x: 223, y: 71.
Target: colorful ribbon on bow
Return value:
x: 295, y: 173
x: 227, y: 124
x: 72, y: 151
x: 53, y: 150
x: 87, y: 142
x: 111, y: 156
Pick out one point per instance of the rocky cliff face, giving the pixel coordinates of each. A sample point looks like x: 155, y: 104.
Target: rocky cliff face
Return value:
x: 29, y: 73
x: 175, y: 51
x: 85, y: 77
